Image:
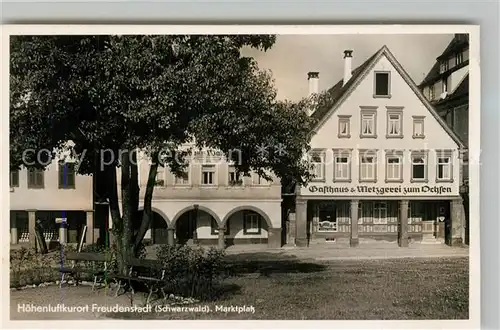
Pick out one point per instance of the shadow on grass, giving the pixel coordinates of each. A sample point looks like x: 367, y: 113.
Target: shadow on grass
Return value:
x: 266, y: 264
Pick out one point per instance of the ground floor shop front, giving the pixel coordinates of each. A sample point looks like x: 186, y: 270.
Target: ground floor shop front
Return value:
x: 399, y: 220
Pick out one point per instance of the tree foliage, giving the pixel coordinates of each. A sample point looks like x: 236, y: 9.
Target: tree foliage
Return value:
x: 150, y: 92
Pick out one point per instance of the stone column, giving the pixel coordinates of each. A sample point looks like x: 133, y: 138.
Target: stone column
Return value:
x: 222, y: 238
x: 457, y: 221
x: 301, y: 223
x: 89, y: 236
x: 274, y: 238
x: 170, y: 236
x: 290, y: 231
x: 14, y: 236
x: 31, y: 228
x: 403, y: 223
x: 354, y: 241
x: 195, y: 224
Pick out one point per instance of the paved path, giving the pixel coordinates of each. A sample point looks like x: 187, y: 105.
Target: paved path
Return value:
x: 323, y: 252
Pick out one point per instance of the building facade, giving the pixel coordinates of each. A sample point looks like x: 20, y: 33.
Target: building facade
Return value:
x: 387, y: 167
x: 446, y: 86
x: 48, y: 197
x: 212, y: 204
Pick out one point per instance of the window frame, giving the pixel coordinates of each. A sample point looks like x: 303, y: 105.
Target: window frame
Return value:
x: 419, y: 119
x: 32, y: 185
x: 443, y: 66
x: 238, y: 183
x: 368, y: 153
x: 390, y: 112
x: 375, y: 74
x: 246, y: 215
x: 183, y: 184
x: 368, y: 111
x: 459, y: 58
x: 321, y: 153
x: 60, y: 166
x: 442, y: 155
x: 214, y: 175
x: 346, y: 119
x: 394, y: 154
x: 444, y: 86
x: 432, y: 92
x: 425, y: 156
x: 342, y: 153
x: 15, y: 174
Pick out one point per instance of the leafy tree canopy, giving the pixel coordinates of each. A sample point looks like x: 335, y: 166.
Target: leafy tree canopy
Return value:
x: 115, y: 92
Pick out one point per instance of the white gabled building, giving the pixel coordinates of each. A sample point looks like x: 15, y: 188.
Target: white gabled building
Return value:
x: 387, y: 166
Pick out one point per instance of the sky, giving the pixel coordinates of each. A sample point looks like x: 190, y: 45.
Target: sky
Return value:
x: 293, y: 56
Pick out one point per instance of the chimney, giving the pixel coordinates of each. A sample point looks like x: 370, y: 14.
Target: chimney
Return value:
x: 313, y: 78
x: 347, y: 66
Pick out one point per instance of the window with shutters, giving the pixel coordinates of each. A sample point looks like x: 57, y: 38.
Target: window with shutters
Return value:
x: 341, y: 165
x: 66, y: 176
x: 394, y: 166
x: 419, y: 166
x: 368, y: 166
x: 317, y: 161
x: 418, y: 127
x: 344, y: 126
x: 36, y: 178
x: 444, y: 166
x: 368, y: 122
x: 394, y: 122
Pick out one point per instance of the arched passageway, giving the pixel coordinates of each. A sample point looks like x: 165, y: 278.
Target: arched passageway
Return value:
x: 158, y: 233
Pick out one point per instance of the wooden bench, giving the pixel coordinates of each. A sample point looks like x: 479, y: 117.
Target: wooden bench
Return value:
x: 147, y: 272
x: 75, y: 270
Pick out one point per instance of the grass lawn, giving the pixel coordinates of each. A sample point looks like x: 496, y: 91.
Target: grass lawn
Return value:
x: 340, y: 290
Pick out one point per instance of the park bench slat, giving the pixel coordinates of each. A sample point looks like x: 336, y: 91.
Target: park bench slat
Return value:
x: 147, y: 272
x: 75, y: 270
x: 88, y: 256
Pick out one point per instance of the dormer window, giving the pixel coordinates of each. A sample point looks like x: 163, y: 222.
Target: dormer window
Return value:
x: 432, y: 95
x: 443, y: 67
x: 382, y: 84
x: 459, y: 58
x: 444, y: 86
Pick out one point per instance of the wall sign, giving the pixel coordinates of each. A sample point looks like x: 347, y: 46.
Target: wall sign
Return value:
x: 398, y: 190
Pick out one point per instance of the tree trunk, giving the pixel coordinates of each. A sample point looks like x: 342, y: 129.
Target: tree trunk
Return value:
x: 116, y: 218
x: 147, y: 214
x: 127, y: 213
x: 134, y: 195
x: 40, y: 238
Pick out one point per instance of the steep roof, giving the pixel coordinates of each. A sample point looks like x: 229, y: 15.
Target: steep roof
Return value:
x: 461, y: 90
x: 338, y: 93
x: 458, y: 43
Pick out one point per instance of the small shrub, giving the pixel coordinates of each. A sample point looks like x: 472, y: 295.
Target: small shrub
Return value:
x: 192, y: 271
